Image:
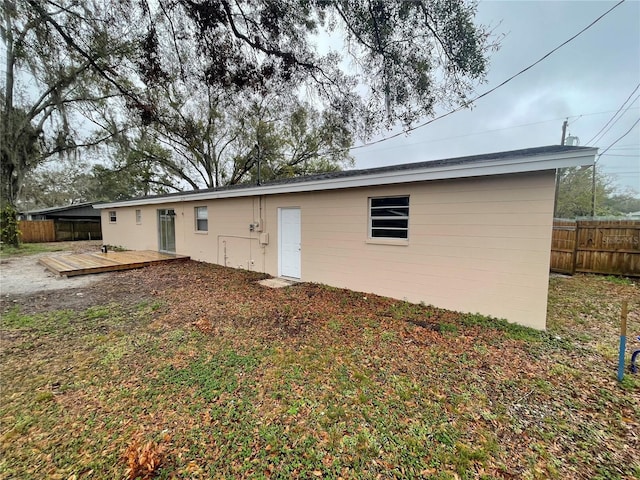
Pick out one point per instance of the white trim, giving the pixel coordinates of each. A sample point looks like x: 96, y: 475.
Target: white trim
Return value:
x: 196, y: 209
x: 499, y: 166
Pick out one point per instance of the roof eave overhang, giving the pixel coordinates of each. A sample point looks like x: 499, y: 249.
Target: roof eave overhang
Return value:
x: 499, y: 166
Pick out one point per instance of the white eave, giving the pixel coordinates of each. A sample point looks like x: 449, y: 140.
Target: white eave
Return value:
x: 425, y: 172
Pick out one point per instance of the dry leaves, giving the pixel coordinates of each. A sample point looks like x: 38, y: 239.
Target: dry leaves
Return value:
x: 143, y: 458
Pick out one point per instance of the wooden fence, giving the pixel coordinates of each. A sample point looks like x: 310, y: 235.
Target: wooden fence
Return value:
x: 37, y: 231
x: 82, y: 230
x: 596, y: 246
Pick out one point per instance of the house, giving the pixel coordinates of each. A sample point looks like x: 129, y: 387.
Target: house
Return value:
x: 471, y: 234
x: 72, y: 222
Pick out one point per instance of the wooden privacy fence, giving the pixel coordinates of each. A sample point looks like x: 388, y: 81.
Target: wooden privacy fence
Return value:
x: 596, y: 246
x: 82, y: 230
x: 37, y: 231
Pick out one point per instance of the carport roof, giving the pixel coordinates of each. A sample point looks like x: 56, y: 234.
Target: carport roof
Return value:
x: 499, y: 163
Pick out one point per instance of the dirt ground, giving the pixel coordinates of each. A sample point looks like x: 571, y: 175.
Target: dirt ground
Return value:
x: 22, y: 276
x: 28, y: 285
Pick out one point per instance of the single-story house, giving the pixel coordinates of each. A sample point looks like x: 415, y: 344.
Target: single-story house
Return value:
x: 471, y: 234
x: 79, y: 221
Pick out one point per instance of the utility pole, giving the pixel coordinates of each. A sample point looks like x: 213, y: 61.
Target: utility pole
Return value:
x: 593, y: 188
x: 558, y: 171
x: 257, y: 147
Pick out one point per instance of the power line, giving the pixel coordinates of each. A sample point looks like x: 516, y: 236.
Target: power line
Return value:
x: 622, y: 147
x: 474, y: 133
x: 620, y: 138
x: 630, y: 147
x: 410, y: 129
x: 616, y: 114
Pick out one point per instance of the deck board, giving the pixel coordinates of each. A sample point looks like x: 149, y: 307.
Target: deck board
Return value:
x: 88, y: 263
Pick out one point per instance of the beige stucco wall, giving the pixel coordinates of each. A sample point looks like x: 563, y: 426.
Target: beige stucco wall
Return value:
x: 475, y: 245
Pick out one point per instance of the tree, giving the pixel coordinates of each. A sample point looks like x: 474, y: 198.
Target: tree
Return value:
x: 72, y: 181
x: 211, y: 141
x: 404, y: 59
x: 135, y: 170
x: 575, y: 196
x: 407, y: 57
x: 224, y: 80
x: 46, y: 80
x: 623, y: 202
x: 64, y: 183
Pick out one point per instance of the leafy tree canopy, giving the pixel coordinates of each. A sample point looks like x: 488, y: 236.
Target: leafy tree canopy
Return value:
x: 576, y: 192
x: 395, y: 61
x: 201, y: 91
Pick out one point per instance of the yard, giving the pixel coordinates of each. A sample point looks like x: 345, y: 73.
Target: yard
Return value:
x: 192, y: 370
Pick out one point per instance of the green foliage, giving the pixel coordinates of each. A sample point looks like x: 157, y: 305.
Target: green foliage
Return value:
x: 406, y: 51
x: 9, y: 232
x: 30, y: 249
x: 216, y: 141
x: 247, y: 399
x: 619, y: 280
x: 511, y: 330
x: 59, y: 54
x: 180, y: 110
x: 622, y: 203
x: 575, y: 195
x: 20, y: 149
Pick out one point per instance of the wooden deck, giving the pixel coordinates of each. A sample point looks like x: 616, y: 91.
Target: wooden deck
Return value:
x: 88, y: 263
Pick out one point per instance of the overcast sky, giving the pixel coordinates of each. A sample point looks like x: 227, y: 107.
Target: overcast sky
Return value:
x: 587, y: 81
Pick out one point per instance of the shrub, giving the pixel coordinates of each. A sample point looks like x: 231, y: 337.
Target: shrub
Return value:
x: 9, y: 232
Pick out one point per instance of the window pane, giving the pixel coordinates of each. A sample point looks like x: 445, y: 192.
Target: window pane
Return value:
x: 202, y: 225
x: 390, y: 212
x: 390, y: 202
x: 385, y: 233
x: 201, y: 213
x: 392, y: 223
x: 389, y: 217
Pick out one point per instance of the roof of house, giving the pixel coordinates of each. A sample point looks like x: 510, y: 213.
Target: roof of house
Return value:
x: 499, y: 163
x: 61, y: 210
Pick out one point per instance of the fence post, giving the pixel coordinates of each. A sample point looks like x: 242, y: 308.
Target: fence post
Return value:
x: 623, y: 340
x: 574, y: 256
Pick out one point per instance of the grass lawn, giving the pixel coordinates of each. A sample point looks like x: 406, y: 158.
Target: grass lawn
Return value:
x: 195, y: 371
x: 8, y: 251
x: 29, y: 249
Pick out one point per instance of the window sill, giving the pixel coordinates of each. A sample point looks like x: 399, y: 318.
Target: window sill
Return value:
x: 388, y: 241
x: 201, y: 232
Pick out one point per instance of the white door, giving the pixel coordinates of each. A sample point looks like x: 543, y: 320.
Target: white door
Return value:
x: 289, y: 240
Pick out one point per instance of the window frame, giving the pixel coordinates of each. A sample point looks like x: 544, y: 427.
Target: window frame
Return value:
x: 113, y: 216
x: 138, y: 216
x: 198, y: 219
x: 370, y: 219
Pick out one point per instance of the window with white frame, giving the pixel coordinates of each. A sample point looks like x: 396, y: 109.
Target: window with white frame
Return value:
x: 112, y: 216
x: 389, y: 217
x: 138, y: 217
x: 202, y: 219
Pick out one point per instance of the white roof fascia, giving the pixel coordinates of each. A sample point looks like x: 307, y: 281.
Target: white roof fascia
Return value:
x: 500, y: 166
